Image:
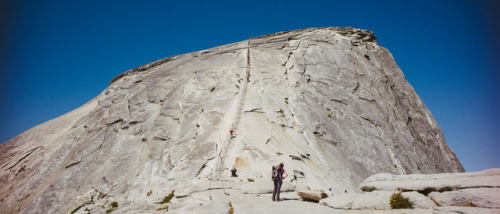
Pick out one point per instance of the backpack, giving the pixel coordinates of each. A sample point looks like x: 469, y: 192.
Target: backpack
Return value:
x: 276, y: 173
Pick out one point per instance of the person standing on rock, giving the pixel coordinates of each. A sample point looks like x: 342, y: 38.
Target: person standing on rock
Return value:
x: 278, y: 174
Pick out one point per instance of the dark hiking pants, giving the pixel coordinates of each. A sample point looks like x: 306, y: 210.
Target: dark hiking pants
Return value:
x: 277, y: 187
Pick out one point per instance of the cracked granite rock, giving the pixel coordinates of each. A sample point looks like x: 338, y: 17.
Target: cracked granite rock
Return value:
x: 472, y: 192
x: 330, y: 93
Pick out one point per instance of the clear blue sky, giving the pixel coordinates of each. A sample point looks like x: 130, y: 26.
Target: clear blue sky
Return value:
x: 57, y: 55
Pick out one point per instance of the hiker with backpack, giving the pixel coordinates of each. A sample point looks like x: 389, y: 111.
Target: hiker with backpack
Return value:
x: 278, y: 174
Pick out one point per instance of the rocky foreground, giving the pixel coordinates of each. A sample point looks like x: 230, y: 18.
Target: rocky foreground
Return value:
x: 477, y: 192
x: 329, y: 103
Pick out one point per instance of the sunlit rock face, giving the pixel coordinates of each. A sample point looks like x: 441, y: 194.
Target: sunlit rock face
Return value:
x: 472, y: 192
x: 329, y: 103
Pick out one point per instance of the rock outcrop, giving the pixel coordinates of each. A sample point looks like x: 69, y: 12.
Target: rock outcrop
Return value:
x: 477, y: 192
x: 312, y: 195
x: 329, y: 103
x: 433, y: 183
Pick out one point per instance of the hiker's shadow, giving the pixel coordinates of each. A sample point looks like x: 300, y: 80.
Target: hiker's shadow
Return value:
x: 290, y: 199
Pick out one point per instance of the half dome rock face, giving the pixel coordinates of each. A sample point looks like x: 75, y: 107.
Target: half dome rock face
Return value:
x: 329, y: 103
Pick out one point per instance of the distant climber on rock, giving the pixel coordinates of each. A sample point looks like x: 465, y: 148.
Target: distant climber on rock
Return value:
x: 278, y: 174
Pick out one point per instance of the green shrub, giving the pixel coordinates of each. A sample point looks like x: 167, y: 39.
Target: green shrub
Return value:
x: 367, y: 189
x: 114, y: 204
x: 212, y: 89
x: 398, y: 201
x: 167, y: 198
x: 470, y: 204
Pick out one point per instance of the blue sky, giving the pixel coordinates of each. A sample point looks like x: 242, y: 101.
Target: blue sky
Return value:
x: 57, y: 55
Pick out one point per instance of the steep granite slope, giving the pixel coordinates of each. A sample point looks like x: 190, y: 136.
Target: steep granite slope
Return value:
x: 329, y: 103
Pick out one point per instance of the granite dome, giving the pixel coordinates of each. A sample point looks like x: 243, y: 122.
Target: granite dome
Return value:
x: 328, y: 102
